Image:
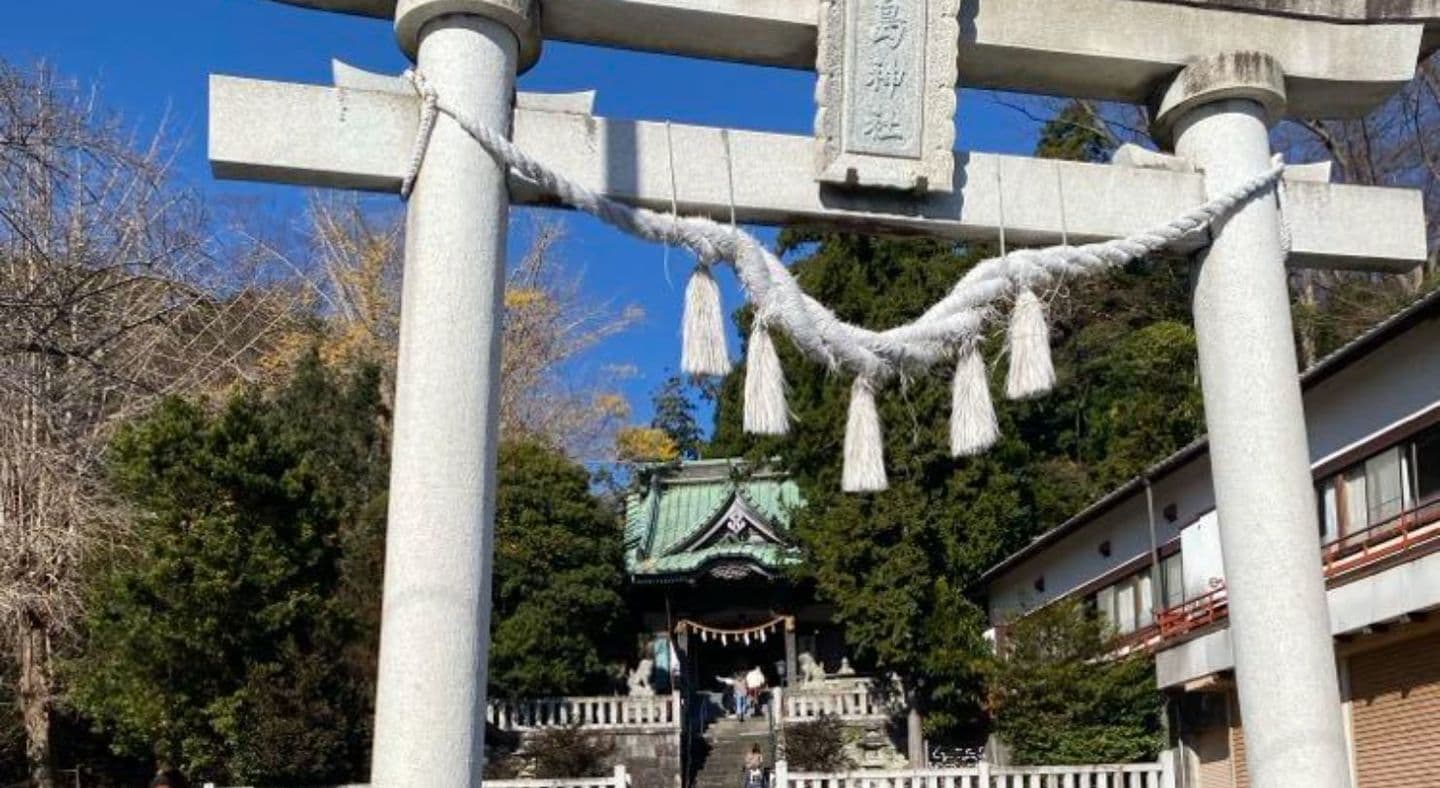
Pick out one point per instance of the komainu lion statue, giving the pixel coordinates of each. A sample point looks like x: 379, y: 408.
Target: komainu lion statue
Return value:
x: 811, y: 672
x: 639, y: 679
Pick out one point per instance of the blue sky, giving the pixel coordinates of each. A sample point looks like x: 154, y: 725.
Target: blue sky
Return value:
x: 152, y: 57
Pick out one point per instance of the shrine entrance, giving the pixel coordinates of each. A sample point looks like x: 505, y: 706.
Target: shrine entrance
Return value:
x: 730, y: 650
x: 1217, y: 76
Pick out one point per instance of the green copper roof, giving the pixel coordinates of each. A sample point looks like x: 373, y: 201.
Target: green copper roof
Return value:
x: 676, y: 526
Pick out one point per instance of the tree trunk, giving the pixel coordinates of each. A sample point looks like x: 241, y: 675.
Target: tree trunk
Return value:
x: 914, y: 736
x: 1308, y: 350
x: 35, y: 697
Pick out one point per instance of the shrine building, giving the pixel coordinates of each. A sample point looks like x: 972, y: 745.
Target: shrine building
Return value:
x: 707, y: 549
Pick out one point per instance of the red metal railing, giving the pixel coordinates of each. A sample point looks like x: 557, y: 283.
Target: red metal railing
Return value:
x: 1406, y: 531
x: 1403, y: 532
x: 1193, y: 614
x: 1143, y: 637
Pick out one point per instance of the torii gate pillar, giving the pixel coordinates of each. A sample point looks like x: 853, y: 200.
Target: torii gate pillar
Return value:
x: 1220, y: 111
x: 435, y: 620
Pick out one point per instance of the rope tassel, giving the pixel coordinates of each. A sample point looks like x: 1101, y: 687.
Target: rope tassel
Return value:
x: 765, y: 410
x: 973, y: 428
x: 1031, y: 372
x: 814, y: 329
x: 702, y: 332
x: 864, y: 449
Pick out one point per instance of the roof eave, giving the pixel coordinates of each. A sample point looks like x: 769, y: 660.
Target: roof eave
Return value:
x: 1422, y: 309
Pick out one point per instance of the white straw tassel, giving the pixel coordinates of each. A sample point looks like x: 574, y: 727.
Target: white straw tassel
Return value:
x: 702, y: 333
x: 765, y: 411
x: 864, y: 450
x: 973, y: 428
x: 1031, y: 373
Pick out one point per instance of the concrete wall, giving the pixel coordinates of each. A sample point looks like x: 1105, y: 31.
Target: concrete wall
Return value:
x: 651, y: 757
x: 1396, y: 380
x: 1076, y: 560
x: 1390, y: 384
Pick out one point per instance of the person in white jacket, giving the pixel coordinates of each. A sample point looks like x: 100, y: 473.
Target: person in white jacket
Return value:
x: 754, y: 685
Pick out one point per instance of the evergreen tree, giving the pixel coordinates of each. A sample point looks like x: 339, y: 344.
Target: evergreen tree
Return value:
x: 675, y: 416
x: 236, y: 635
x: 1058, y: 699
x: 217, y: 640
x: 896, y: 565
x: 557, y: 610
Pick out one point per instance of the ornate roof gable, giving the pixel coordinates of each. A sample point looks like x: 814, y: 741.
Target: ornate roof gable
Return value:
x: 739, y: 523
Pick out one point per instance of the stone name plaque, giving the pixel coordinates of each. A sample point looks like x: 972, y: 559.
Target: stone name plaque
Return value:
x: 886, y: 93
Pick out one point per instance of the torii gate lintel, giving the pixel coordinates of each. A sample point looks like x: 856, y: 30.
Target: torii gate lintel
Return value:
x: 360, y: 135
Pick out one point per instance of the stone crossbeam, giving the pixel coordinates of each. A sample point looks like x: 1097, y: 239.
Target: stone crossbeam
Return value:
x: 361, y: 139
x: 1102, y: 49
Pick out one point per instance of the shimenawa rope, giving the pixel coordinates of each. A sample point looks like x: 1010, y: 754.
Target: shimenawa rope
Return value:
x: 949, y: 329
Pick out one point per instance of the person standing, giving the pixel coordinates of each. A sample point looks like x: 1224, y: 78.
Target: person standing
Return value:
x: 742, y: 696
x: 754, y: 685
x: 754, y: 768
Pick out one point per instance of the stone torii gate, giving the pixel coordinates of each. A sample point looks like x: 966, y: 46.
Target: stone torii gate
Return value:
x: 1217, y: 73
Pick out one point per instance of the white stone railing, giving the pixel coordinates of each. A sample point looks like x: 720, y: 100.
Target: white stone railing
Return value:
x: 617, y: 779
x: 853, y: 702
x: 600, y: 712
x: 1133, y: 775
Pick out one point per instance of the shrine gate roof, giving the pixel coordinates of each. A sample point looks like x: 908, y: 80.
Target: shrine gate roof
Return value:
x: 702, y: 513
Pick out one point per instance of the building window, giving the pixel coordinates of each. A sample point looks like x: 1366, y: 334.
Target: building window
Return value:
x: 1172, y: 580
x: 1380, y: 488
x: 1329, y: 513
x: 1128, y: 605
x: 1385, y: 485
x: 1426, y: 457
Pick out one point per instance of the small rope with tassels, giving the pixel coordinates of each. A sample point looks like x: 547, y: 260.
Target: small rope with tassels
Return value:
x: 950, y: 329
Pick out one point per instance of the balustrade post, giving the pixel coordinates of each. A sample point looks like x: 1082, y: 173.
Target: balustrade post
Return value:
x: 621, y: 779
x: 782, y: 774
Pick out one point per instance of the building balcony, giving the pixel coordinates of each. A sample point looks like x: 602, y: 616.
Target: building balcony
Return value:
x: 1387, y: 572
x: 1408, y: 532
x: 1408, y: 535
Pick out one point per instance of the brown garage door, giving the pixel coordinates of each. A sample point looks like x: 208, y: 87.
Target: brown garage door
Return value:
x: 1395, y: 709
x: 1237, y: 745
x: 1212, y: 752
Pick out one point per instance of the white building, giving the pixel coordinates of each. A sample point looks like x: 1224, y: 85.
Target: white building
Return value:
x: 1147, y: 555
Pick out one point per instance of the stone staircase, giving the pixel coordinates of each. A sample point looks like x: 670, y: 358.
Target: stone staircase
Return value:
x: 727, y: 742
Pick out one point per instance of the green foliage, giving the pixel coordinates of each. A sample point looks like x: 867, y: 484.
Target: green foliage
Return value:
x: 219, y: 640
x: 896, y: 565
x: 569, y: 752
x: 237, y: 635
x: 1074, y: 134
x: 1056, y: 699
x: 557, y: 603
x: 817, y: 745
x: 1351, y: 304
x: 674, y: 404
